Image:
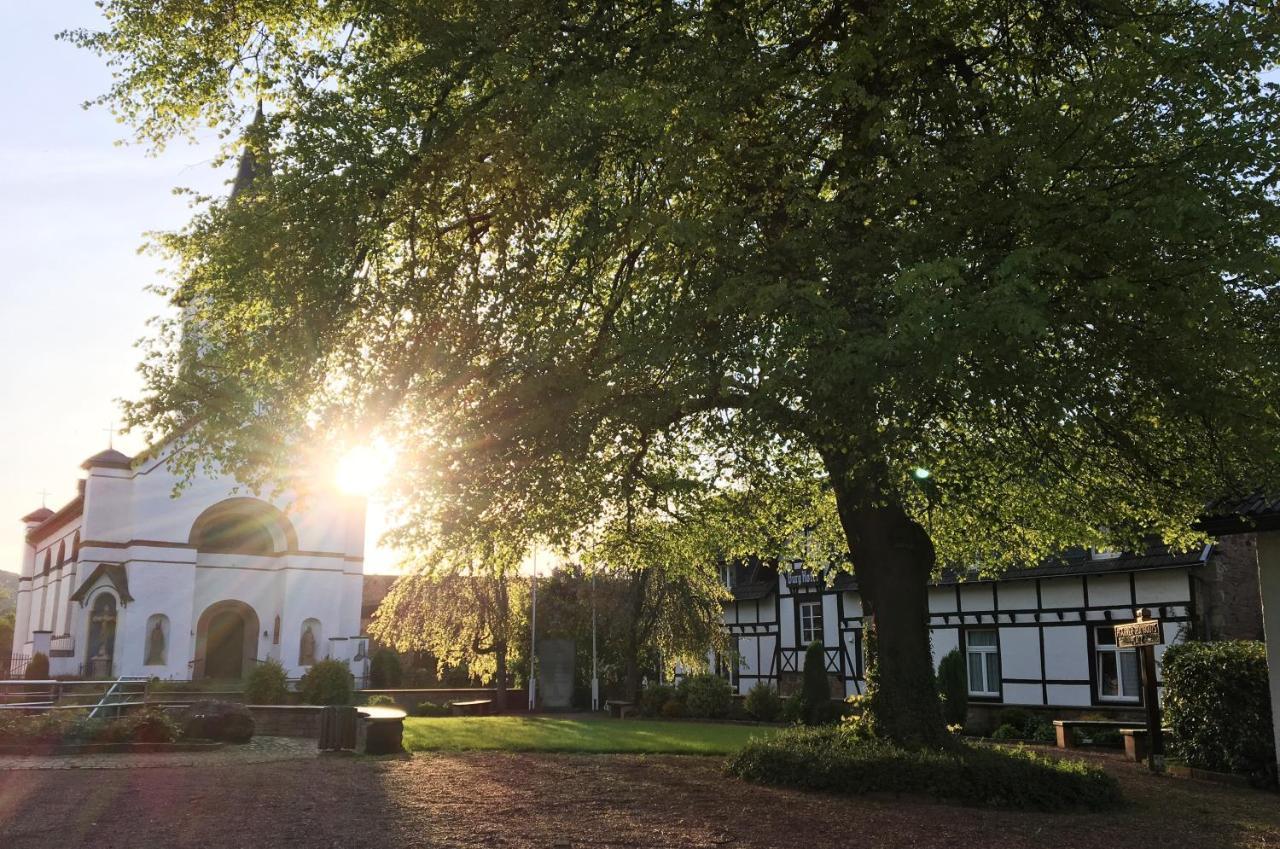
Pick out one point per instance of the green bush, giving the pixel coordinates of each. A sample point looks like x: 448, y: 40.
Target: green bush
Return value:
x: 66, y: 727
x: 764, y: 703
x: 1017, y: 717
x: 327, y: 682
x: 381, y: 699
x: 37, y: 667
x: 705, y: 696
x: 1007, y: 732
x: 432, y: 709
x: 266, y: 684
x: 654, y: 698
x: 953, y: 687
x: 674, y: 709
x: 385, y: 672
x: 1217, y: 702
x: 835, y: 761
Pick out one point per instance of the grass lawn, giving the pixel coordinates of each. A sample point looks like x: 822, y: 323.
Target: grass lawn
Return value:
x: 576, y: 734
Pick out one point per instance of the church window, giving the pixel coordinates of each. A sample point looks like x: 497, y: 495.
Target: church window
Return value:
x: 308, y: 641
x: 62, y: 554
x: 275, y: 632
x: 75, y: 546
x: 242, y: 526
x: 157, y: 646
x: 48, y: 561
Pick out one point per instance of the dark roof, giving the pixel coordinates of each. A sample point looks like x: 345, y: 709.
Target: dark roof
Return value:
x: 249, y: 167
x: 109, y: 459
x: 38, y: 515
x: 114, y: 573
x: 1242, y: 514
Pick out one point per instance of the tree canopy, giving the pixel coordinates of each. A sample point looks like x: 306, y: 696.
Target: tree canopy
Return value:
x: 624, y: 256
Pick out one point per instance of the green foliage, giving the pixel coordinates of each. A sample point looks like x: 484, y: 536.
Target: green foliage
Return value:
x: 1015, y: 717
x: 432, y: 709
x: 37, y: 667
x: 832, y: 760
x: 654, y: 698
x: 1217, y: 702
x: 705, y: 696
x: 228, y: 722
x: 674, y: 709
x: 152, y: 725
x: 327, y: 682
x: 266, y: 684
x: 1005, y: 731
x: 505, y: 265
x: 813, y: 705
x: 764, y: 703
x: 385, y: 672
x: 381, y: 699
x: 953, y: 687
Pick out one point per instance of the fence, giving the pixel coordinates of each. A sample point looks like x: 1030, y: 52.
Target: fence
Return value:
x: 15, y: 666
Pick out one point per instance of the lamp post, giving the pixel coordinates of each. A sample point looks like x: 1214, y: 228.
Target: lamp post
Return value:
x: 595, y: 679
x: 533, y: 636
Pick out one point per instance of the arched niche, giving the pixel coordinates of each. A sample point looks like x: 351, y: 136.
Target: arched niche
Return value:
x: 226, y: 640
x: 155, y: 647
x: 311, y: 645
x: 243, y: 526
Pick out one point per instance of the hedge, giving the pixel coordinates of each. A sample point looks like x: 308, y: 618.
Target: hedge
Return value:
x: 1217, y: 702
x: 267, y: 684
x: 327, y: 682
x: 833, y: 760
x: 953, y: 687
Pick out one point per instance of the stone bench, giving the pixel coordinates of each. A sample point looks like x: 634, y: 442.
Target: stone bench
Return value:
x: 620, y: 709
x: 1137, y: 743
x: 474, y: 707
x: 1066, y: 728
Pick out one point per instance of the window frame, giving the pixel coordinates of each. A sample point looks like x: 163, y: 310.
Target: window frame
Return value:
x: 996, y: 685
x: 1099, y: 649
x: 814, y: 623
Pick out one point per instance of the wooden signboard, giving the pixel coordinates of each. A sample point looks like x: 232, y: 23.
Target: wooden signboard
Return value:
x: 1144, y: 632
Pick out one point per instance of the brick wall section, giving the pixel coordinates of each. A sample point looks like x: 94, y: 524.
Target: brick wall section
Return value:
x: 286, y: 720
x: 1230, y: 597
x: 408, y: 700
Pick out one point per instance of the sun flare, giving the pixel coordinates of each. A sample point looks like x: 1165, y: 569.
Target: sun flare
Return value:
x: 364, y: 469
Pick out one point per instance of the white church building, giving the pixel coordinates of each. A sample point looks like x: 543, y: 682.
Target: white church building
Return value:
x: 129, y: 580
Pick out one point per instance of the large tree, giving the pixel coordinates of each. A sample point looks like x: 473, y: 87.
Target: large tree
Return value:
x: 577, y: 254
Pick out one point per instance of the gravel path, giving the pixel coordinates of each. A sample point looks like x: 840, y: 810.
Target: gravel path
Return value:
x: 523, y: 801
x: 258, y: 750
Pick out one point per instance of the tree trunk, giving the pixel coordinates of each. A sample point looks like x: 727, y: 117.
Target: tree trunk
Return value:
x: 635, y: 638
x: 500, y: 677
x: 893, y: 560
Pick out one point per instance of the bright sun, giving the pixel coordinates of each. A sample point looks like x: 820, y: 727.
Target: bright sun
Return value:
x: 364, y: 469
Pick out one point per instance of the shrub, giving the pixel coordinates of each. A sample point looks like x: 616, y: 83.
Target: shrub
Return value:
x: 37, y: 667
x: 1006, y: 731
x: 152, y: 725
x: 266, y: 684
x: 228, y: 722
x: 832, y: 760
x: 149, y: 726
x: 674, y: 709
x: 1016, y: 717
x: 431, y: 709
x: 953, y: 688
x: 380, y: 699
x: 1217, y: 703
x: 764, y: 703
x: 327, y: 682
x: 655, y: 697
x: 706, y: 696
x: 385, y: 672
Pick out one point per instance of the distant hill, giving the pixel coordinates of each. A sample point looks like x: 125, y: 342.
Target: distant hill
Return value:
x: 8, y: 591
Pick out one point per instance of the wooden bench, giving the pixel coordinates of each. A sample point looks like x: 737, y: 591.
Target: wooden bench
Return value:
x: 475, y: 707
x: 1137, y: 743
x: 1066, y: 728
x: 620, y: 709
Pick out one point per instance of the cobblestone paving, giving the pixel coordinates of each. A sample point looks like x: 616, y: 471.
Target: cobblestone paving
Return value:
x: 258, y: 750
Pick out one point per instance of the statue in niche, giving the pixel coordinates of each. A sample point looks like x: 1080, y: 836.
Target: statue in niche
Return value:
x: 307, y: 647
x: 275, y: 632
x: 155, y: 645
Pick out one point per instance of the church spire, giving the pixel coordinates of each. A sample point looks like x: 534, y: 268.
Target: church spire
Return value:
x: 250, y: 167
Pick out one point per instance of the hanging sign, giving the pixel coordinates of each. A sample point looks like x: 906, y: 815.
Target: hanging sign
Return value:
x: 1144, y: 632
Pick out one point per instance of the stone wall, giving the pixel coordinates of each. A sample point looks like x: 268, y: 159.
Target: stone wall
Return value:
x: 409, y: 699
x: 1230, y: 603
x: 286, y: 720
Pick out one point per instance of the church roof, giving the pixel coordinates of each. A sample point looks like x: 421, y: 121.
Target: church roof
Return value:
x: 38, y: 515
x: 109, y: 459
x: 114, y: 573
x: 249, y: 167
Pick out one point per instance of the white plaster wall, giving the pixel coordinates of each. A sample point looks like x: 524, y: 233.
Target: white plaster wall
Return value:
x: 1018, y: 595
x: 942, y: 600
x: 1019, y: 655
x: 1061, y: 592
x: 945, y: 641
x: 1110, y: 590
x: 1158, y: 587
x: 1066, y: 653
x: 976, y: 597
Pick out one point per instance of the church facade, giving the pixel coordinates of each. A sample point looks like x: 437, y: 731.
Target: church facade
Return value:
x: 129, y: 580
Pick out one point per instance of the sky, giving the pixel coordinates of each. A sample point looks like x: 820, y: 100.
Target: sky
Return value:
x: 74, y: 209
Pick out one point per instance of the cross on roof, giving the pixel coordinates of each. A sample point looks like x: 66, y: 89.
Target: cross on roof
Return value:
x: 44, y: 496
x: 111, y: 432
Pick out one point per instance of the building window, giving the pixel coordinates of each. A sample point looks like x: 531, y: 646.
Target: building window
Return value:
x: 1118, y: 671
x: 726, y: 575
x: 983, y: 654
x: 810, y: 622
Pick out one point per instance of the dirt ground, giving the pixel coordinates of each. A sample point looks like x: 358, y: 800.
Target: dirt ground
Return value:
x: 525, y: 800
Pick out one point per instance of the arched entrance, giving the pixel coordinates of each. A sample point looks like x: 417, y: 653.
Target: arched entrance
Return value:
x: 226, y: 640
